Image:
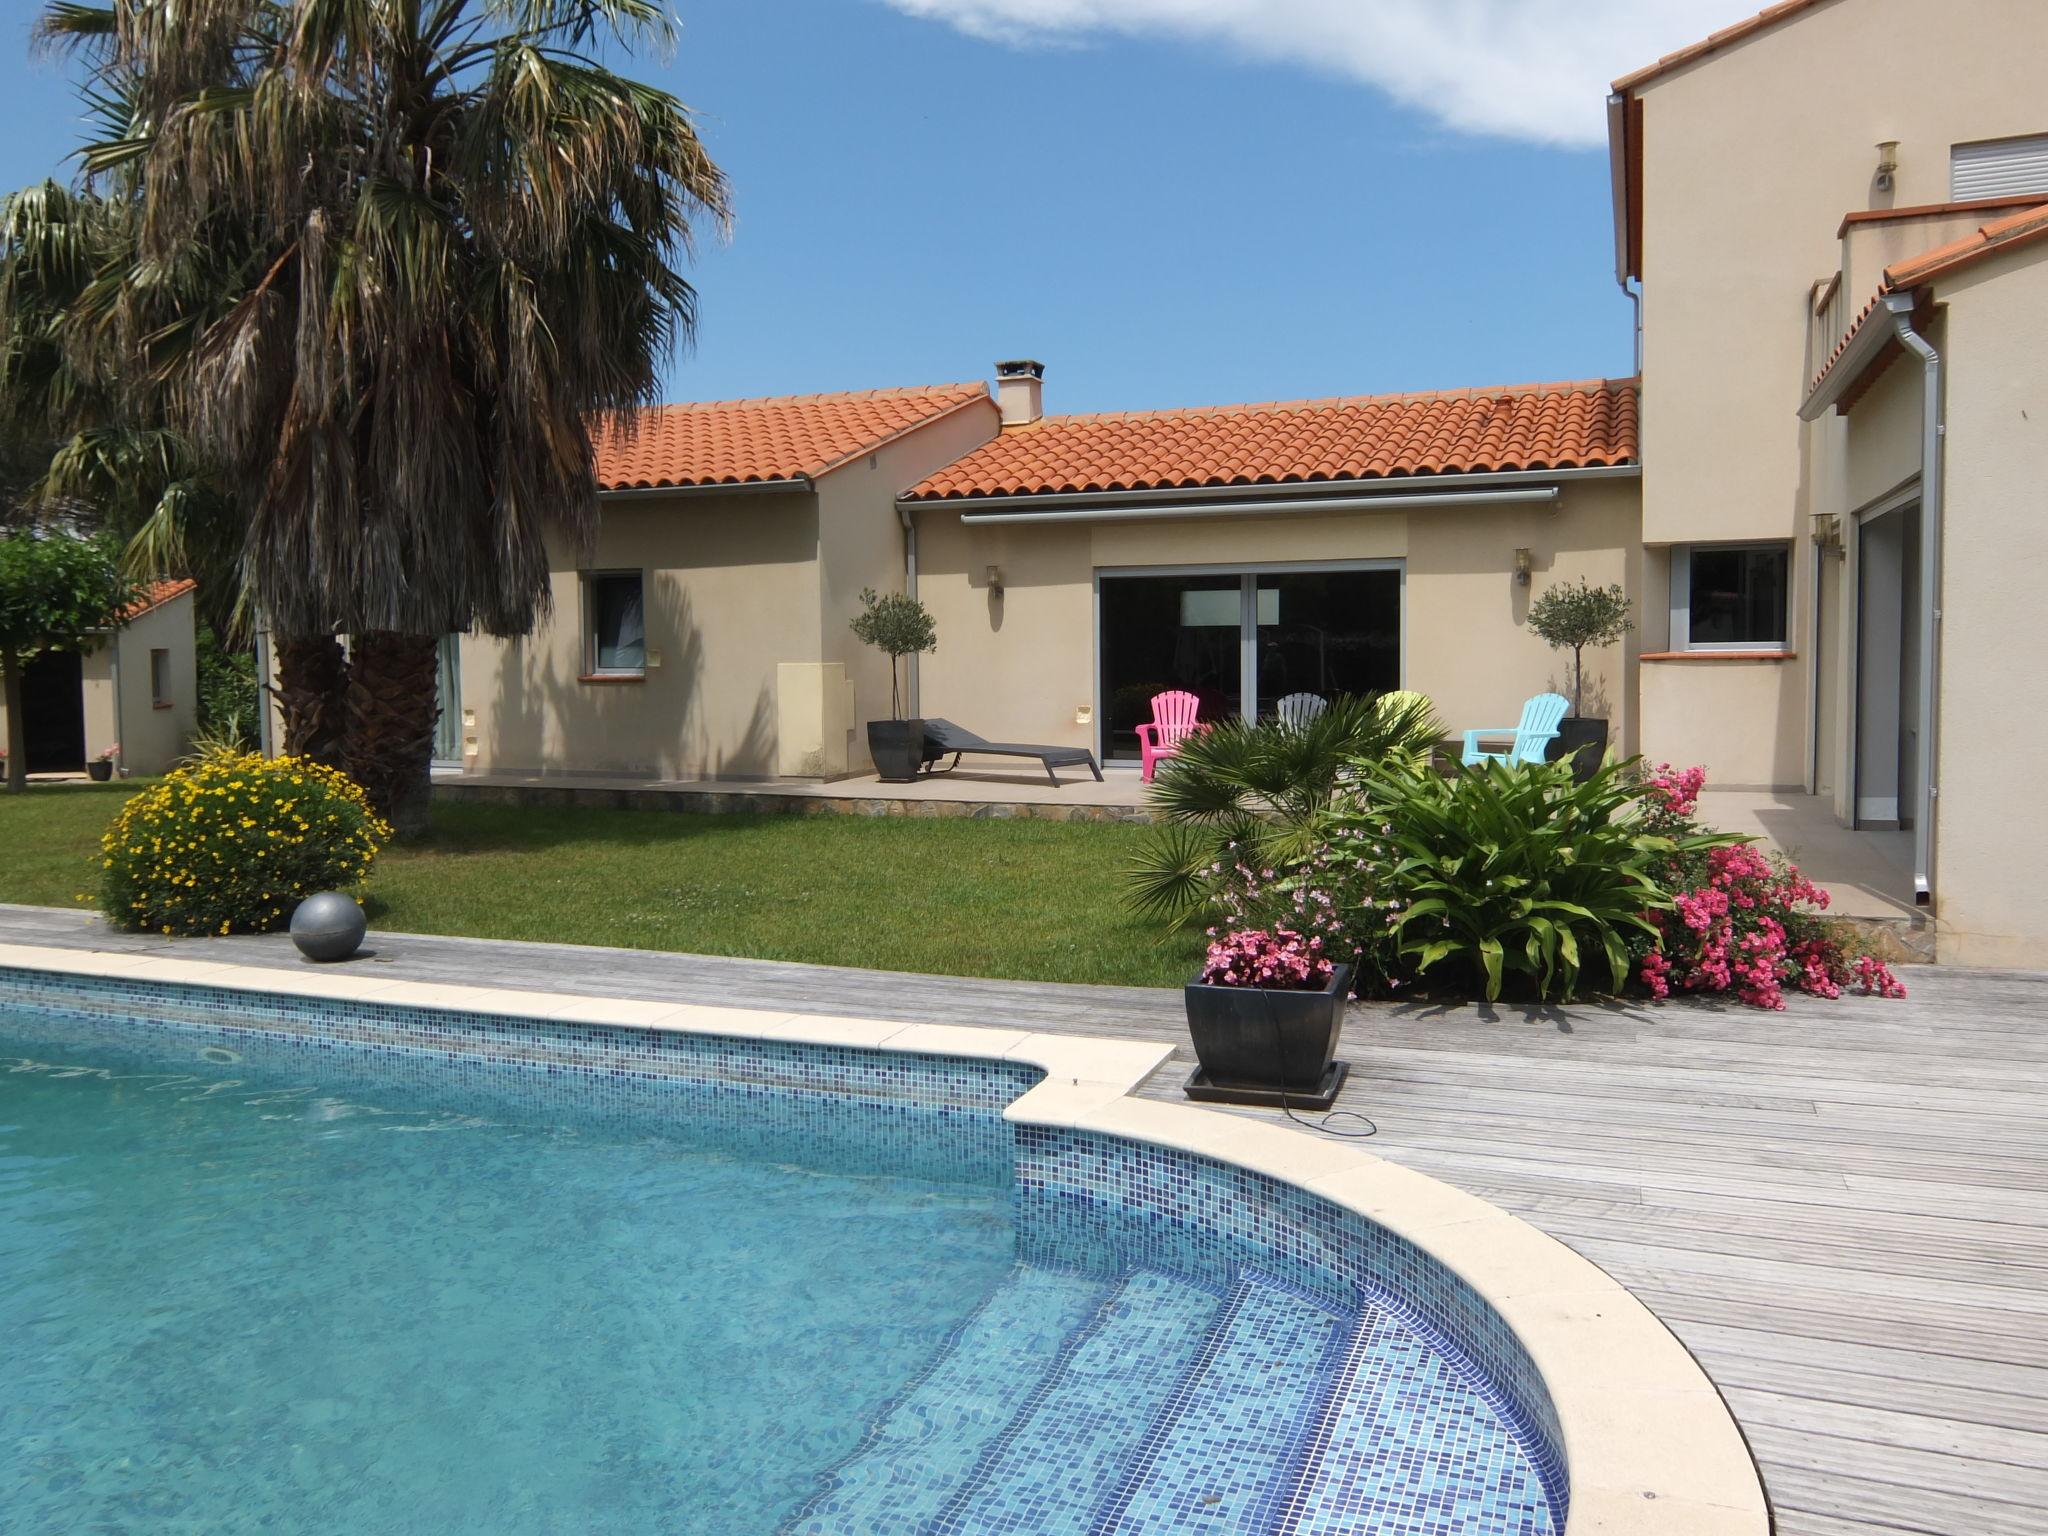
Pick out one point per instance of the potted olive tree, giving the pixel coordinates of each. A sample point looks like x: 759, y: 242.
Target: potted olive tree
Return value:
x: 1573, y: 618
x: 897, y: 625
x: 1263, y: 1017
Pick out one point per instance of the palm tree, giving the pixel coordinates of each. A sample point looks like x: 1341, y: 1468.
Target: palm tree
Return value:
x: 1255, y: 792
x: 469, y: 237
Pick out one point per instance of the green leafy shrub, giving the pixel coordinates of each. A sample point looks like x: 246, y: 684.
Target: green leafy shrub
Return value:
x: 1253, y: 793
x: 1513, y: 871
x: 229, y: 696
x: 232, y: 843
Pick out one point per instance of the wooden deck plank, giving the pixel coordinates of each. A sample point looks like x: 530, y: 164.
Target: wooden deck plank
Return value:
x: 1841, y: 1209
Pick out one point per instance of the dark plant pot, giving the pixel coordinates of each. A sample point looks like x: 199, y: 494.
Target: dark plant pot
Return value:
x: 897, y: 746
x: 100, y: 769
x: 1584, y: 741
x: 1250, y: 1037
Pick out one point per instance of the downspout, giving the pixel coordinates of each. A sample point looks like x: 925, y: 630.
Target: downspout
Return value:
x: 910, y: 590
x: 1932, y: 433
x: 114, y: 667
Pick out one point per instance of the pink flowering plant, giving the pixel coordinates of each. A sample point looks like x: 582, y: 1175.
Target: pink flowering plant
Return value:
x: 1277, y: 959
x: 1741, y: 921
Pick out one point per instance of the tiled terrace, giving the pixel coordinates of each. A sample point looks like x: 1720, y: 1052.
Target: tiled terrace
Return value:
x: 1841, y: 1209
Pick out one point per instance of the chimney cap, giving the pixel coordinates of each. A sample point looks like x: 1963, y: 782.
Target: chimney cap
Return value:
x: 1020, y: 368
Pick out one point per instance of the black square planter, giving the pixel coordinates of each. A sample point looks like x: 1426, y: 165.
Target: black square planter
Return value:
x: 1265, y: 1040
x: 897, y: 746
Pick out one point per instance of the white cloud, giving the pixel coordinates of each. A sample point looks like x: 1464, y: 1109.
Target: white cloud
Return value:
x: 1534, y: 70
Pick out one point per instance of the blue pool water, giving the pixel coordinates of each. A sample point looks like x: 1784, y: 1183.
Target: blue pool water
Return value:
x: 248, y: 1286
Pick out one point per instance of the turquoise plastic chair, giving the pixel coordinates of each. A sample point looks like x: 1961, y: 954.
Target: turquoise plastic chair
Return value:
x: 1537, y: 731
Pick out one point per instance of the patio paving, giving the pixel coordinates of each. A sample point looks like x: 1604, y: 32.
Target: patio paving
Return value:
x: 986, y: 790
x: 1842, y: 1209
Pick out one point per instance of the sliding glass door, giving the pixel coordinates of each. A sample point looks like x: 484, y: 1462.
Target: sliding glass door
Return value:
x: 1231, y: 636
x: 1168, y: 632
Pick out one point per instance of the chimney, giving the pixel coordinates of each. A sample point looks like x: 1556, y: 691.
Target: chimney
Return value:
x: 1020, y: 391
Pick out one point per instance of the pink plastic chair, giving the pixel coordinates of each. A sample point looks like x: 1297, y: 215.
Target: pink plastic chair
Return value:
x: 1173, y: 721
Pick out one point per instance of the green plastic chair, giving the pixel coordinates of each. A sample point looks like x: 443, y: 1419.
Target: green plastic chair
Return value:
x: 1540, y: 717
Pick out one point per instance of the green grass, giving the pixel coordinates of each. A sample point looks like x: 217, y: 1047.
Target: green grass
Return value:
x: 1027, y: 900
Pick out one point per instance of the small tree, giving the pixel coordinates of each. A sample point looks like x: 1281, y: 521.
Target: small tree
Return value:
x: 898, y: 625
x: 1574, y: 617
x: 55, y: 590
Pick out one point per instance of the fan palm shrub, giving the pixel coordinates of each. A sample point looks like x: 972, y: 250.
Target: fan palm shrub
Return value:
x: 467, y: 236
x: 1253, y: 793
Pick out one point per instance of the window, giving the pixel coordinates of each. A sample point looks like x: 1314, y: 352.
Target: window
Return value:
x: 615, y: 621
x: 1730, y: 597
x: 1998, y: 168
x: 160, y: 679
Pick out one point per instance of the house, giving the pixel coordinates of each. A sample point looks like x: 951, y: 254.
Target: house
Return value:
x: 135, y: 688
x: 1821, y: 490
x: 1078, y: 565
x: 1845, y: 389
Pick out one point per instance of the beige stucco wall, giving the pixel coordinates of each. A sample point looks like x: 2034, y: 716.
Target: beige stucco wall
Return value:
x: 731, y: 585
x: 152, y: 739
x: 861, y: 545
x: 1021, y: 665
x: 1742, y: 720
x: 1991, y: 842
x: 1746, y: 175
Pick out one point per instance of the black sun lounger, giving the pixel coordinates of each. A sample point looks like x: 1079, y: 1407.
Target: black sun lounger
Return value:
x: 943, y: 736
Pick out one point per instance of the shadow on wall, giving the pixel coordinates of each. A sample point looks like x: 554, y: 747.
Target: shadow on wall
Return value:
x: 754, y: 755
x: 545, y: 719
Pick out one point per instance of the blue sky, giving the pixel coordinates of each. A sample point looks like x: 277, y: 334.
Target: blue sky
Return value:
x: 1162, y: 212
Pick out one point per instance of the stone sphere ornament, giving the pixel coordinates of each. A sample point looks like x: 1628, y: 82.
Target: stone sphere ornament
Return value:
x: 329, y: 926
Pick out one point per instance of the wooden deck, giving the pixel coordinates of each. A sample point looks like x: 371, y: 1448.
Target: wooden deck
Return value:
x: 1842, y: 1209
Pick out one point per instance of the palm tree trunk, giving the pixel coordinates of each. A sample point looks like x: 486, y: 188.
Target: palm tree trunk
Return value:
x: 392, y: 706
x: 17, y: 725
x: 312, y: 680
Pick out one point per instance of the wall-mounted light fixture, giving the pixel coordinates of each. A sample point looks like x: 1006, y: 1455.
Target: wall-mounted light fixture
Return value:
x: 995, y: 580
x: 1887, y: 164
x: 1084, y: 714
x: 1524, y: 563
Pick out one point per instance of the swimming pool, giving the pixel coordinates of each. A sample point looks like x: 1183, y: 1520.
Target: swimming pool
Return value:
x: 280, y: 1263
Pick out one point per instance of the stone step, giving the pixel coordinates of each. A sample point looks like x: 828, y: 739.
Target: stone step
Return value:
x: 1067, y: 1452
x: 921, y: 1448
x: 1231, y: 1443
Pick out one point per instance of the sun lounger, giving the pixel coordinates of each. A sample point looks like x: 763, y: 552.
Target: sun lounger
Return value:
x: 942, y: 737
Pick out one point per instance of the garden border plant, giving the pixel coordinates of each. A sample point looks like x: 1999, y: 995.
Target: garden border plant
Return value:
x: 1526, y: 878
x: 231, y: 844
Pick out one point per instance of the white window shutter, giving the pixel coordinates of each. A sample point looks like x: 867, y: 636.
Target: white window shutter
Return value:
x: 1999, y: 168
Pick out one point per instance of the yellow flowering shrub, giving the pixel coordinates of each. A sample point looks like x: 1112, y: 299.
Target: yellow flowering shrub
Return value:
x: 232, y: 843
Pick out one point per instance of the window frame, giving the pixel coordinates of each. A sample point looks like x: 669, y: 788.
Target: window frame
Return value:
x: 591, y: 611
x: 1681, y: 600
x: 160, y: 694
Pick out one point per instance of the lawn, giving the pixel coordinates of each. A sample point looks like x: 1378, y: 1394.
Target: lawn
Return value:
x: 1031, y: 900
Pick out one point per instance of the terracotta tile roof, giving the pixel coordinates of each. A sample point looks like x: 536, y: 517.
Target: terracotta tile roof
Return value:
x: 2021, y: 228
x: 1858, y: 216
x: 2018, y: 229
x: 786, y: 437
x: 1542, y: 426
x: 1769, y: 17
x: 155, y: 595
